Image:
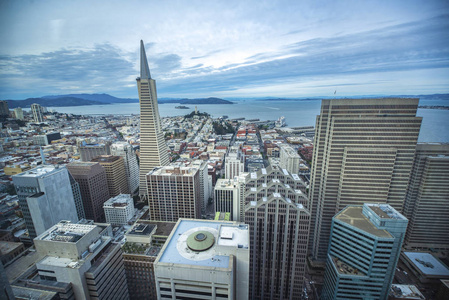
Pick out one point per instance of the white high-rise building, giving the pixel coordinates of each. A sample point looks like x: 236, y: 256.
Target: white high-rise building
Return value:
x: 153, y: 148
x: 234, y: 163
x: 126, y: 151
x: 289, y: 159
x: 204, y: 259
x: 45, y: 197
x: 205, y: 187
x: 19, y: 113
x: 119, y: 209
x: 37, y: 111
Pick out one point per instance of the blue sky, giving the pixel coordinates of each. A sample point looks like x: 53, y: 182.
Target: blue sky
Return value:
x: 225, y: 48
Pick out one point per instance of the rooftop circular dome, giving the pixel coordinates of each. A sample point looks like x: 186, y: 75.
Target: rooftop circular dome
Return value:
x: 200, y: 240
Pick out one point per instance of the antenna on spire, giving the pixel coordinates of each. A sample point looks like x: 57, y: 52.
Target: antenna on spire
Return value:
x: 144, y: 69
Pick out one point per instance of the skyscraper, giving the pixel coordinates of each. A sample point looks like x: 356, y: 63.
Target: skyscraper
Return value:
x: 45, y: 197
x: 84, y: 255
x: 18, y: 113
x: 173, y: 193
x: 276, y: 211
x: 363, y: 253
x: 289, y: 159
x: 37, y: 111
x: 4, y: 109
x: 92, y: 181
x: 126, y: 151
x: 234, y: 163
x: 363, y: 152
x: 427, y: 200
x: 153, y: 148
x: 115, y: 174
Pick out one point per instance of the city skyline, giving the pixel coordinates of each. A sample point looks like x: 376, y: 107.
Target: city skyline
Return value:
x: 226, y: 49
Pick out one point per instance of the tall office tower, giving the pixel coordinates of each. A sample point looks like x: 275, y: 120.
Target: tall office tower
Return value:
x: 234, y: 163
x: 18, y: 113
x: 90, y: 151
x: 4, y: 108
x: 115, y: 173
x: 228, y: 197
x: 279, y: 220
x: 289, y: 159
x: 37, y: 111
x: 85, y: 256
x: 76, y: 191
x: 364, y: 249
x: 92, y: 181
x: 119, y: 210
x: 205, y: 188
x: 173, y: 193
x: 153, y: 148
x: 363, y: 152
x: 126, y: 151
x: 204, y: 259
x: 45, y: 197
x: 427, y: 200
x: 143, y: 243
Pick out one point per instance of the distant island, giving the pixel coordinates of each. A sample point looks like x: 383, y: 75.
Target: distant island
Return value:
x: 101, y: 99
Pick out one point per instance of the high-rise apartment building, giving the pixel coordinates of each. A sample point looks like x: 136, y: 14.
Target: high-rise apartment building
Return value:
x: 364, y: 249
x: 45, y: 197
x: 119, y: 210
x: 173, y: 193
x: 85, y: 256
x: 115, y: 173
x: 37, y: 112
x: 363, y: 152
x: 153, y: 148
x: 289, y: 159
x: 126, y: 151
x: 90, y: 151
x: 204, y: 259
x: 92, y: 181
x: 276, y: 211
x: 143, y: 243
x: 234, y: 163
x: 427, y: 200
x: 18, y: 112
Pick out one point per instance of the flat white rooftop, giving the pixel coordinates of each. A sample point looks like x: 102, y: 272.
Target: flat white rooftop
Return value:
x: 37, y: 172
x: 224, y: 234
x: 427, y: 263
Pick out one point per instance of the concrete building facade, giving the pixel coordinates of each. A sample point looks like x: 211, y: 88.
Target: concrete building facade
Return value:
x: 289, y: 159
x: 234, y: 163
x: 90, y: 151
x: 115, y: 173
x: 18, y: 112
x: 85, y: 256
x: 126, y: 151
x: 363, y: 152
x: 363, y: 252
x: 173, y: 193
x: 45, y: 197
x: 92, y: 181
x: 37, y: 112
x: 228, y: 197
x: 427, y: 200
x: 119, y: 210
x: 153, y: 148
x: 276, y: 211
x: 204, y: 259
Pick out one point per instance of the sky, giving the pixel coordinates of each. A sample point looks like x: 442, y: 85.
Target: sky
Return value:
x: 226, y: 49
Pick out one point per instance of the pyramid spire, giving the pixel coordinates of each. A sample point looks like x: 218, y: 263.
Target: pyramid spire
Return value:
x: 144, y: 69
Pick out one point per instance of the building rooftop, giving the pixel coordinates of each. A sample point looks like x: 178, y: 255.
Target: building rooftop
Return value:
x: 344, y: 268
x: 174, y: 171
x: 385, y: 211
x: 119, y: 201
x: 66, y: 232
x: 194, y: 242
x: 405, y: 291
x: 38, y: 172
x: 353, y: 215
x: 142, y: 229
x: 427, y: 263
x: 105, y: 158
